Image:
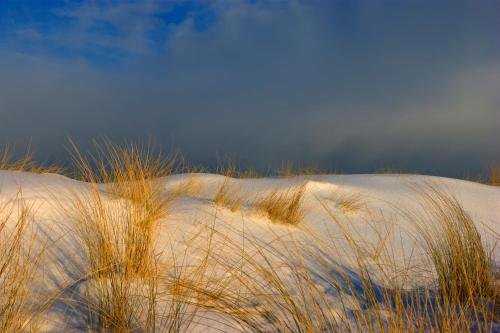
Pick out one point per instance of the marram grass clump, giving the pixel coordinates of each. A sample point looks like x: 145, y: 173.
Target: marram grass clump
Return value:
x: 228, y: 195
x: 284, y: 205
x: 462, y: 261
x: 116, y: 222
x: 23, y: 163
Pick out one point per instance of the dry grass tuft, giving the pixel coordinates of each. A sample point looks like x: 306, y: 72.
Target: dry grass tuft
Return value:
x: 23, y: 163
x: 284, y: 206
x: 118, y: 236
x: 227, y: 167
x: 118, y: 244
x: 461, y: 260
x: 348, y: 203
x: 228, y: 195
x: 18, y: 264
x: 129, y: 170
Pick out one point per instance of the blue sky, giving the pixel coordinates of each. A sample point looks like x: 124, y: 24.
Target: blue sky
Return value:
x: 105, y: 33
x: 353, y: 85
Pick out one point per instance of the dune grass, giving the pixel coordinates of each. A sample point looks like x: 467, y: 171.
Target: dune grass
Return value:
x: 248, y: 173
x: 348, y: 203
x: 130, y: 172
x: 227, y: 166
x: 117, y: 239
x: 19, y: 262
x: 278, y: 290
x: 284, y: 206
x: 25, y: 162
x: 284, y: 285
x: 462, y: 261
x: 227, y: 194
x: 118, y: 234
x: 289, y: 169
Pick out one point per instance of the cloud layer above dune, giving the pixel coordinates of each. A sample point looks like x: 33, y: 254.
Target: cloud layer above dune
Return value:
x: 351, y: 85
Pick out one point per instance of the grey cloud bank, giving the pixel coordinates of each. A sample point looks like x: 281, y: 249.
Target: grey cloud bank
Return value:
x: 348, y: 85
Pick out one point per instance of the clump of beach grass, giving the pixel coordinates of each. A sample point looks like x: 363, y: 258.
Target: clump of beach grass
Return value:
x: 227, y: 194
x: 226, y: 167
x: 462, y: 261
x: 284, y: 206
x: 116, y: 221
x: 9, y: 161
x: 348, y: 203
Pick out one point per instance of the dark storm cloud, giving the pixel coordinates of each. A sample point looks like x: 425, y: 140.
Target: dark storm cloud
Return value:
x: 354, y: 85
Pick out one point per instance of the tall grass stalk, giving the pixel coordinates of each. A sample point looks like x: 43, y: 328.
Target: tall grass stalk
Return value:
x: 116, y: 223
x: 462, y: 261
x: 19, y: 261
